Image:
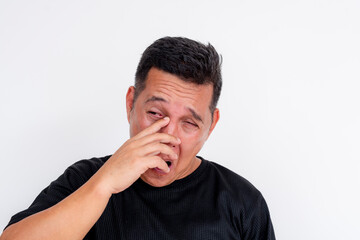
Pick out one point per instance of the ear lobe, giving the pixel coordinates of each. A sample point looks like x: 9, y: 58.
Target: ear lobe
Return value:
x: 130, y: 101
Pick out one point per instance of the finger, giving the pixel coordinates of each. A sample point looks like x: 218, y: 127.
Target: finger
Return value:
x: 153, y: 128
x: 159, y: 137
x: 157, y: 148
x: 157, y: 162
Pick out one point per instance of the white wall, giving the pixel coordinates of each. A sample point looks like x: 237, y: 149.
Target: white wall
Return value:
x: 289, y: 107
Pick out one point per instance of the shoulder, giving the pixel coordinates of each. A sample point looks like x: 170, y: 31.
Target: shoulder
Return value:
x: 73, y: 177
x: 231, y: 180
x: 244, y: 200
x: 235, y: 188
x: 85, y: 168
x: 89, y: 165
x: 78, y: 173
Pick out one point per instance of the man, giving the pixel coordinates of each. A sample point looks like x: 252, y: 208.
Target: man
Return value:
x: 155, y: 186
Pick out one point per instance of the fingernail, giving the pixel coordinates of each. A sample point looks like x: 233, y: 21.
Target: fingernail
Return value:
x: 166, y: 118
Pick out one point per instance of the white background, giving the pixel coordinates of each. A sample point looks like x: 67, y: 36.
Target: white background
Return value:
x: 289, y: 107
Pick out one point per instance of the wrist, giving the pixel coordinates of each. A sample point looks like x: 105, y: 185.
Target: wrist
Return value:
x: 99, y: 186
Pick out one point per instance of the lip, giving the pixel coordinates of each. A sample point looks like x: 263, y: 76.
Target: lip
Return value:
x: 159, y: 171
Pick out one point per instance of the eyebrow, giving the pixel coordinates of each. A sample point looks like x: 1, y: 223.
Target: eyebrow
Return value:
x: 160, y: 99
x: 195, y: 115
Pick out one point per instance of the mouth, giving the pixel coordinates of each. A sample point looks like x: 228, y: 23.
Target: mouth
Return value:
x: 161, y: 172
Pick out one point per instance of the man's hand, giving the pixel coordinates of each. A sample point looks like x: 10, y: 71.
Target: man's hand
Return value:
x: 136, y: 156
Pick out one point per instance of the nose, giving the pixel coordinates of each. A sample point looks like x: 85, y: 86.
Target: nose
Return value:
x: 171, y: 129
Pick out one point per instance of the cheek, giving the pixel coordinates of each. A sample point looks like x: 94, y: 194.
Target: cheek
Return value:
x: 138, y: 123
x: 191, y: 144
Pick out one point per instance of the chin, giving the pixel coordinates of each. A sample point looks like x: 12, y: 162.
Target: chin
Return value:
x: 157, y: 178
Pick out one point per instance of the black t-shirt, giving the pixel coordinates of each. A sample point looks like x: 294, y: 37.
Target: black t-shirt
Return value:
x: 211, y: 203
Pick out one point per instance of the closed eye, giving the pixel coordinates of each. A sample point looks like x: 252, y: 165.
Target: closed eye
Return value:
x: 191, y: 123
x: 155, y: 114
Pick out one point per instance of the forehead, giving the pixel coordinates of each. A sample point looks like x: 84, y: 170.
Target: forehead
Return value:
x: 175, y: 90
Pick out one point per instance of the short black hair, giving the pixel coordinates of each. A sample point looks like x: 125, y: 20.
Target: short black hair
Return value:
x: 190, y: 60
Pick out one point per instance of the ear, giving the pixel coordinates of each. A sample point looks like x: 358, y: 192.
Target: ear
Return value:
x: 129, y: 101
x: 216, y: 117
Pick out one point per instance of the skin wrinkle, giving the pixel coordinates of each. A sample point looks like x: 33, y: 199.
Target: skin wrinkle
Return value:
x: 187, y: 88
x: 187, y: 92
x: 164, y: 88
x: 160, y: 99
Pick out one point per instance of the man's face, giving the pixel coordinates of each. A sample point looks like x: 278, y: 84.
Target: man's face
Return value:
x: 187, y: 106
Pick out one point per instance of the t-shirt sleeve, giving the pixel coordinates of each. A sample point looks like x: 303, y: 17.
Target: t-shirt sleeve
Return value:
x: 73, y: 178
x: 258, y: 225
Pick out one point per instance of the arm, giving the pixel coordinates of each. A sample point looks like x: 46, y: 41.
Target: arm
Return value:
x: 74, y: 216
x: 258, y: 224
x: 71, y: 218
